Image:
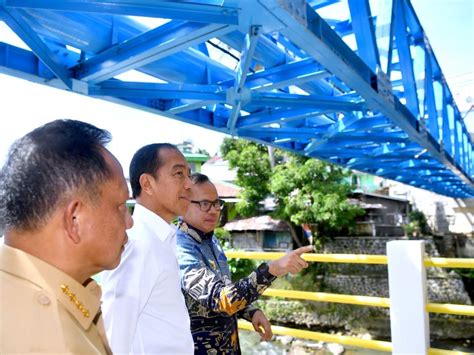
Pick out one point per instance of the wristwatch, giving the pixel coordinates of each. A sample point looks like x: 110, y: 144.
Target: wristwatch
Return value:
x: 263, y: 270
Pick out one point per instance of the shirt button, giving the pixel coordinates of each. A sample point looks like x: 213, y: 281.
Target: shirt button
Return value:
x: 43, y: 298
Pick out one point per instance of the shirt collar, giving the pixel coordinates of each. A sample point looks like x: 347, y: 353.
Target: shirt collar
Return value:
x: 197, y: 234
x: 154, y: 222
x: 82, y: 302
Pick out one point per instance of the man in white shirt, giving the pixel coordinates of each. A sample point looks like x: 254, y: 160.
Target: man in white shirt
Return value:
x: 144, y: 309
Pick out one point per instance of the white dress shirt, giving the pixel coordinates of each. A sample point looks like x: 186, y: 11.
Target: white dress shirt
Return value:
x: 143, y: 306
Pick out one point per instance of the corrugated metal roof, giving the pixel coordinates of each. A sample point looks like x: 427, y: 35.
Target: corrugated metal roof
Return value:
x: 226, y: 190
x: 257, y: 224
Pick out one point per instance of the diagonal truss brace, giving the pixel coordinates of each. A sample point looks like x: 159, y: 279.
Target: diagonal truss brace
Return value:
x: 147, y: 48
x: 211, y: 11
x: 312, y: 34
x: 234, y: 93
x: 15, y: 20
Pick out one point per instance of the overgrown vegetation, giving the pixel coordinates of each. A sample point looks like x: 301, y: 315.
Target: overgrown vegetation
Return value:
x: 417, y: 225
x: 306, y: 191
x: 239, y: 268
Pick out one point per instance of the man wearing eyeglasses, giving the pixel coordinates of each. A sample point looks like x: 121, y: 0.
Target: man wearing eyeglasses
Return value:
x: 213, y: 301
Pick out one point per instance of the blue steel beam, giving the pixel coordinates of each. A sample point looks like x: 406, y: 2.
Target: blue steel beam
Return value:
x: 243, y: 67
x: 293, y: 73
x: 185, y: 106
x: 337, y: 128
x: 22, y: 63
x: 364, y: 32
x: 14, y: 19
x: 270, y: 55
x: 93, y: 35
x: 403, y: 48
x: 146, y: 48
x: 118, y: 88
x: 274, y: 133
x: 300, y: 86
x: 293, y: 100
x: 313, y: 35
x: 210, y: 11
x: 430, y: 102
x: 283, y: 115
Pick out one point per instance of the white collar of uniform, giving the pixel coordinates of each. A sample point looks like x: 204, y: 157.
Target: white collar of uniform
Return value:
x: 154, y: 222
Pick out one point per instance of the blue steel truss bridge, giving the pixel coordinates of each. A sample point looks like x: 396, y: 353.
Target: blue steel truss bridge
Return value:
x: 353, y: 82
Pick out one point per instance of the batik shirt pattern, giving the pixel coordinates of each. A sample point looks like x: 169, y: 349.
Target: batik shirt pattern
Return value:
x: 213, y: 301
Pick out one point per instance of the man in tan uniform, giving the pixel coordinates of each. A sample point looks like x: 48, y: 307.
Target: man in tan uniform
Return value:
x: 63, y: 213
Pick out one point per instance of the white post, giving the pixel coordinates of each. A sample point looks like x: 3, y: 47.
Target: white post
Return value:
x: 409, y: 320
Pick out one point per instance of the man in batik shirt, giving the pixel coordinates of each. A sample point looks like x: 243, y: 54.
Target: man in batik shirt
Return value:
x: 214, y: 302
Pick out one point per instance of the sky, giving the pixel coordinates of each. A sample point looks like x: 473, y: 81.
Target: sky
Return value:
x: 27, y: 105
x: 24, y: 105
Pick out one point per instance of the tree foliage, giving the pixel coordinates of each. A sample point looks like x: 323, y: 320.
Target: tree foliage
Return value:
x: 305, y: 190
x: 203, y: 151
x: 314, y: 192
x: 253, y: 172
x: 418, y: 225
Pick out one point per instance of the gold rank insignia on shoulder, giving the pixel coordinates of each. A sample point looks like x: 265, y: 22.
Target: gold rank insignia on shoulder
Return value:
x: 73, y: 298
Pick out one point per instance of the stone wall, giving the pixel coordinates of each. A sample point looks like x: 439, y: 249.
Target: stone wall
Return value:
x: 464, y: 246
x: 371, y: 280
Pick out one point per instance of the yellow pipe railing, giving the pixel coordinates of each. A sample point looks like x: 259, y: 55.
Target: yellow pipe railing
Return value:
x: 434, y: 351
x: 329, y: 297
x: 351, y: 299
x: 323, y: 258
x: 341, y: 339
x: 463, y: 263
x: 446, y: 308
x: 331, y: 338
x: 352, y: 259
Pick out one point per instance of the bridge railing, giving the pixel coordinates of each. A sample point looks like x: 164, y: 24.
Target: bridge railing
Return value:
x: 408, y: 304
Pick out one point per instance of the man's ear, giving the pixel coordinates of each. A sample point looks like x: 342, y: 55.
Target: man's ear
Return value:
x: 146, y: 183
x: 72, y: 220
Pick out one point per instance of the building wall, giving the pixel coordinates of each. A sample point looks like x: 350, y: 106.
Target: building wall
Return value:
x: 249, y: 241
x: 444, y: 214
x: 261, y: 240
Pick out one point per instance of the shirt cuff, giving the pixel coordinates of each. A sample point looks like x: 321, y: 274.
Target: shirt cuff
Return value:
x: 263, y: 274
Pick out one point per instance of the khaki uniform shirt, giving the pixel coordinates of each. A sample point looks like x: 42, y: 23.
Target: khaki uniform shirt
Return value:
x: 44, y: 310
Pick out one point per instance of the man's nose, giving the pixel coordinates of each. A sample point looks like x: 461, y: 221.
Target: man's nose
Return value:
x: 188, y: 183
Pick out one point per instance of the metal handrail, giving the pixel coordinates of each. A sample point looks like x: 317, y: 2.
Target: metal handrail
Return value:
x: 352, y: 259
x: 341, y: 339
x: 353, y: 299
x: 446, y: 308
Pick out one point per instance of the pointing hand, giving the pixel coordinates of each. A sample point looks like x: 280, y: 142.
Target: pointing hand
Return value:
x: 292, y: 262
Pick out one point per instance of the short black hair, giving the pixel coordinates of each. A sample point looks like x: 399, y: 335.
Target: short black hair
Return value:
x: 146, y: 160
x: 45, y: 165
x: 198, y: 178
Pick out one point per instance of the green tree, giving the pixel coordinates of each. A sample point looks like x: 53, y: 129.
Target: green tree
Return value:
x: 253, y: 172
x: 239, y: 268
x: 418, y: 225
x: 306, y: 190
x: 203, y: 151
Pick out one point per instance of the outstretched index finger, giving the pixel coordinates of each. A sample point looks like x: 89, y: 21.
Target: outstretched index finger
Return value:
x: 305, y: 249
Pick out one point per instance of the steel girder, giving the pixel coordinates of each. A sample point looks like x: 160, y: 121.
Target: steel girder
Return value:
x: 353, y: 82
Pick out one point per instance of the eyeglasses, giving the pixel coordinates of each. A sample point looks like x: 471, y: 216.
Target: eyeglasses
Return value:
x: 206, y: 205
